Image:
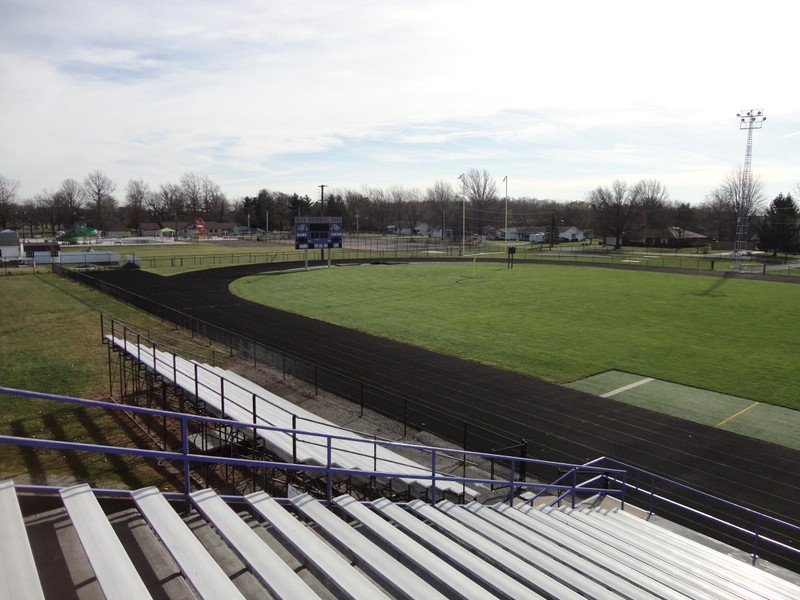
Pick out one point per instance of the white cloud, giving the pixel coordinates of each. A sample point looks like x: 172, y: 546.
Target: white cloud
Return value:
x: 271, y: 94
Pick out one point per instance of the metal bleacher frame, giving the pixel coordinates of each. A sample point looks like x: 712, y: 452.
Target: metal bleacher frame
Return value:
x: 510, y: 549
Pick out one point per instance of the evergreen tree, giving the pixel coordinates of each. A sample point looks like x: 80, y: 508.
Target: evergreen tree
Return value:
x: 780, y: 226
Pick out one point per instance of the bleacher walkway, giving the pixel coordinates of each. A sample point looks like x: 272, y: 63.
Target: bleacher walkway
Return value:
x: 260, y: 547
x: 230, y: 395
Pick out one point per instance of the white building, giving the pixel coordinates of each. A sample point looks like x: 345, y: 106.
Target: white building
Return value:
x: 10, y: 246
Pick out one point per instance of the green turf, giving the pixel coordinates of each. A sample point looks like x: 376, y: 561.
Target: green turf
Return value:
x: 50, y: 342
x: 775, y: 424
x: 771, y: 423
x: 730, y: 335
x: 699, y: 405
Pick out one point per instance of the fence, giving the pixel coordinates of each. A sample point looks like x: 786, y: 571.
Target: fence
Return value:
x: 385, y: 248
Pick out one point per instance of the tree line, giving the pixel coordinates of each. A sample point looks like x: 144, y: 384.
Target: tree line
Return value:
x: 471, y: 205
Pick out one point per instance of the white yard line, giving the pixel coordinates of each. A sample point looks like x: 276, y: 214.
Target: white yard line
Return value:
x: 625, y: 388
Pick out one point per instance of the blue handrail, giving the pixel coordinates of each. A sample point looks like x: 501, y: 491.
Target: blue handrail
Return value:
x: 185, y: 457
x: 759, y: 519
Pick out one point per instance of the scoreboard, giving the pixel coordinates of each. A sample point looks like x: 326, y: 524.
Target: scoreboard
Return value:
x: 317, y: 232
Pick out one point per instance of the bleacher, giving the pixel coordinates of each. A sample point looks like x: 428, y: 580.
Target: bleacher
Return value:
x: 227, y: 394
x: 258, y: 546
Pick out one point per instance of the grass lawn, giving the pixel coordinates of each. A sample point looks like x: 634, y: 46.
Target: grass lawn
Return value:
x: 50, y: 342
x: 561, y: 324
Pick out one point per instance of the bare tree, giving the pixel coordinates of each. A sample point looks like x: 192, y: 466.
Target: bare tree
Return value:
x: 577, y: 213
x: 99, y: 187
x: 399, y: 198
x: 441, y: 197
x: 379, y: 208
x: 481, y: 191
x: 8, y: 196
x: 166, y: 204
x: 412, y: 212
x: 654, y: 200
x: 357, y: 205
x: 137, y: 197
x: 715, y: 216
x: 28, y: 214
x: 213, y: 201
x: 614, y: 208
x: 192, y: 188
x: 47, y: 204
x: 738, y: 195
x: 66, y: 204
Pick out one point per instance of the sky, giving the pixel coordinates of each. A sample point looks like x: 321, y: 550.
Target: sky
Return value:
x: 557, y: 97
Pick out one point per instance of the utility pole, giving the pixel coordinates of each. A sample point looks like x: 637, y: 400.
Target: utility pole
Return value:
x: 463, y: 212
x: 749, y: 120
x: 322, y: 198
x: 506, y: 229
x: 322, y: 213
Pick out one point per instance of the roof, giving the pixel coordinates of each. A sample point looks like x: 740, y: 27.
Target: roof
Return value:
x: 9, y: 238
x: 674, y: 233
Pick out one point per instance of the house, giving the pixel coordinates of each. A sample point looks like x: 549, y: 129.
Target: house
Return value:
x: 537, y: 237
x: 10, y: 246
x: 570, y: 233
x: 667, y: 237
x: 118, y: 231
x: 420, y: 229
x: 149, y: 229
x: 566, y: 233
x: 512, y: 233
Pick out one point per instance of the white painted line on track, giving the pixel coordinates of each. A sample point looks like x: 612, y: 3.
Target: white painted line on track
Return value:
x: 625, y: 388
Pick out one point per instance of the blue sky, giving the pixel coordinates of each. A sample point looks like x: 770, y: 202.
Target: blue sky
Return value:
x: 559, y: 97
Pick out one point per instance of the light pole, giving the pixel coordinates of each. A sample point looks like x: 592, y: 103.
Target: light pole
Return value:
x: 463, y: 212
x: 322, y: 203
x: 506, y: 229
x: 749, y: 120
x: 322, y: 198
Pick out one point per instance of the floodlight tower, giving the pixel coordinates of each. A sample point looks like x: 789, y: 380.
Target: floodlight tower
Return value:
x: 749, y: 120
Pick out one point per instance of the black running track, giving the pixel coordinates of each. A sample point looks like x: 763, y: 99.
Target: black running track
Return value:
x: 558, y: 423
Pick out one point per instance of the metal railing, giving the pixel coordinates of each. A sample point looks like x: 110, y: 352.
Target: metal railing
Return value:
x: 186, y: 459
x: 748, y: 529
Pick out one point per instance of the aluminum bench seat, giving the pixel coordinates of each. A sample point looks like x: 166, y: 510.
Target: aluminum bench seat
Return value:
x: 198, y: 567
x: 262, y: 560
x: 321, y: 557
x: 740, y: 578
x: 567, y: 582
x: 497, y: 580
x: 655, y: 556
x: 620, y: 564
x: 364, y: 552
x: 112, y: 566
x: 590, y: 544
x: 19, y: 578
x: 609, y: 578
x: 412, y: 551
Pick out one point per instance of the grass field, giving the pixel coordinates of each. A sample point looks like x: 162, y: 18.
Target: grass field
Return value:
x: 50, y: 342
x: 562, y: 324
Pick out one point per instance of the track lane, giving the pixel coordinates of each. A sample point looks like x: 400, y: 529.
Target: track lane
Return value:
x: 564, y: 424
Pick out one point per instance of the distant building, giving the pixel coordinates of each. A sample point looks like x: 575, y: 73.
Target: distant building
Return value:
x: 667, y: 237
x: 10, y: 245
